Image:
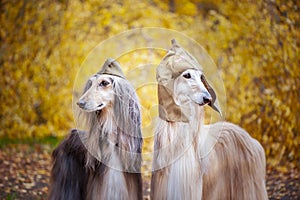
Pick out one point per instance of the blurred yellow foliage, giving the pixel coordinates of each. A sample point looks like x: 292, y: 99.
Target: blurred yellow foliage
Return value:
x: 254, y: 44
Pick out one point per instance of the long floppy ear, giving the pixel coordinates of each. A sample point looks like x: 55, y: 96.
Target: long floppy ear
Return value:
x: 128, y: 121
x: 212, y: 94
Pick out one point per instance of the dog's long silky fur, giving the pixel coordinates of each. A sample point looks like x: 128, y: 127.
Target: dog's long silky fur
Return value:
x: 68, y: 174
x: 113, y: 136
x: 218, y: 161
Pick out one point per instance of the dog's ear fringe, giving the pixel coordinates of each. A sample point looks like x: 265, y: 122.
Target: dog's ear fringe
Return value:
x: 128, y: 120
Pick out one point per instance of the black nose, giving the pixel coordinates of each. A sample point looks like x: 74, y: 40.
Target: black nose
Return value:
x: 206, y: 100
x: 81, y: 103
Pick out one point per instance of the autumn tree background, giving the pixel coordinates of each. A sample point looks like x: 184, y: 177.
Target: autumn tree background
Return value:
x: 254, y: 44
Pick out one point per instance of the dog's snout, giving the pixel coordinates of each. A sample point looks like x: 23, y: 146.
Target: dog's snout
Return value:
x: 207, y: 98
x: 81, y: 103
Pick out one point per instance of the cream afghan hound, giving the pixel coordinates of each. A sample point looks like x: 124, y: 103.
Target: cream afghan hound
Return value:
x: 197, y: 161
x: 104, y: 162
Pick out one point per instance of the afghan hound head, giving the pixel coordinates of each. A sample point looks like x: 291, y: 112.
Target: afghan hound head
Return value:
x: 110, y: 112
x: 98, y: 93
x: 192, y: 90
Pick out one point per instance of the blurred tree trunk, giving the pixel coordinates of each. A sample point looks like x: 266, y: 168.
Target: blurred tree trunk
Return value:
x: 172, y: 6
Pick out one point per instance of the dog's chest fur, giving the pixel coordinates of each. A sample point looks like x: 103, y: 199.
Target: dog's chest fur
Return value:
x: 184, y: 178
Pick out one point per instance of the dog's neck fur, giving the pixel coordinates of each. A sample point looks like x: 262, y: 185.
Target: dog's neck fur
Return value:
x: 178, y: 155
x: 101, y: 137
x: 103, y: 156
x: 174, y: 138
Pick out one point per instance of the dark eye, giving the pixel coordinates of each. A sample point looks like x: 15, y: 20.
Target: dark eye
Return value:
x: 104, y: 83
x: 187, y: 75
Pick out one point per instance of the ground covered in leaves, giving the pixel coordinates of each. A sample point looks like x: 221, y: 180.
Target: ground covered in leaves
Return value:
x: 25, y: 173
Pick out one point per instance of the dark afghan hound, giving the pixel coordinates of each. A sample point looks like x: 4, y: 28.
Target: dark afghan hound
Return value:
x: 103, y: 162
